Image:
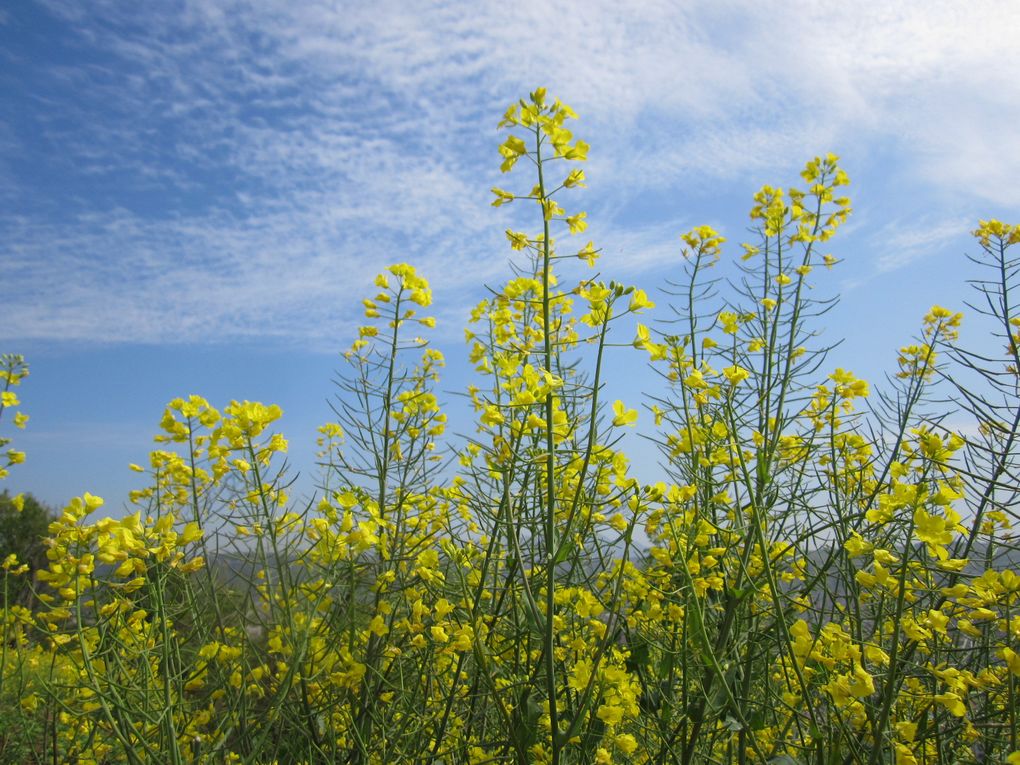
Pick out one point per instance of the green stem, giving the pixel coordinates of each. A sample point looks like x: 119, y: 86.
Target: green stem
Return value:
x: 550, y: 499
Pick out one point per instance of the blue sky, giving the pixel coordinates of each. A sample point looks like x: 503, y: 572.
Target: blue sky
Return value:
x: 195, y: 195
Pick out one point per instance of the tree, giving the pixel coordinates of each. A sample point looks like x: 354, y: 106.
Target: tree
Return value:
x: 22, y: 533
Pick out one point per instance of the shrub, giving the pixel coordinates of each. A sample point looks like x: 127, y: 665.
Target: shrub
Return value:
x: 24, y: 523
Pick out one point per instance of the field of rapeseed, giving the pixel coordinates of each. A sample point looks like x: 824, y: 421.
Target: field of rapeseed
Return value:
x: 821, y: 576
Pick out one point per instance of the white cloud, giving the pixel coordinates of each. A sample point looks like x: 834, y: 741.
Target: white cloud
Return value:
x: 254, y: 164
x: 899, y: 244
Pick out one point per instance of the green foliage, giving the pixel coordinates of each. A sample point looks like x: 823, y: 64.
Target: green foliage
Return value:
x: 22, y: 533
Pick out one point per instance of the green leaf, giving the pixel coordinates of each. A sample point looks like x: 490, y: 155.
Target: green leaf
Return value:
x: 565, y: 551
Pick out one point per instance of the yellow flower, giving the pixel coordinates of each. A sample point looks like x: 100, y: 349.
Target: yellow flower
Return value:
x: 11, y: 564
x: 463, y: 639
x: 492, y: 416
x: 515, y: 145
x: 728, y: 321
x: 618, y: 522
x: 996, y: 229
x: 610, y: 714
x: 626, y: 743
x: 502, y: 197
x: 856, y: 545
x: 861, y: 684
x: 904, y: 755
x: 943, y: 322
x: 511, y: 150
x: 639, y: 301
x: 518, y: 241
x: 623, y: 415
x: 704, y: 240
x: 576, y: 178
x: 439, y: 634
x: 735, y: 375
x: 931, y: 529
x: 577, y: 223
x: 588, y: 254
x: 191, y: 533
x: 578, y: 152
x: 952, y: 702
